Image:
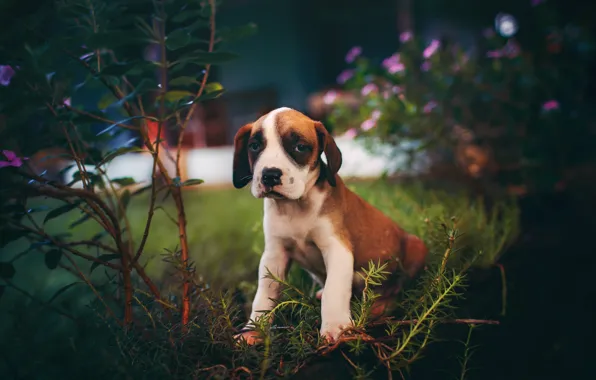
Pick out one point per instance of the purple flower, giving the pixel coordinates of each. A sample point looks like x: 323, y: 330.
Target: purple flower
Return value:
x: 425, y: 66
x: 371, y: 87
x: 396, y: 89
x: 536, y: 2
x: 368, y: 124
x: 405, y: 36
x: 11, y: 159
x: 431, y: 49
x: 393, y: 64
x: 350, y: 133
x: 511, y: 49
x: 494, y: 54
x: 375, y: 115
x: 6, y: 74
x: 353, y: 54
x: 330, y: 97
x: 550, y: 105
x: 429, y: 106
x: 344, y: 76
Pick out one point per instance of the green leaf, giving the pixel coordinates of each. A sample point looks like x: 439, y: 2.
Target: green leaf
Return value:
x: 124, y: 201
x: 52, y: 258
x: 119, y: 69
x: 98, y: 236
x: 204, y: 58
x: 106, y: 258
x: 106, y: 100
x: 191, y: 182
x: 209, y: 96
x: 186, y: 15
x: 124, y: 181
x: 183, y: 81
x: 176, y: 95
x: 111, y: 40
x: 63, y: 289
x: 142, y: 189
x: 177, y: 39
x: 119, y: 152
x: 121, y: 122
x: 60, y: 211
x: 213, y: 86
x: 81, y: 220
x: 238, y: 33
x: 11, y: 234
x: 7, y: 270
x: 144, y: 86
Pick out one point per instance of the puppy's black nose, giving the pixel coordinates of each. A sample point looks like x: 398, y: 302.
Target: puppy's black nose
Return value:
x: 271, y: 177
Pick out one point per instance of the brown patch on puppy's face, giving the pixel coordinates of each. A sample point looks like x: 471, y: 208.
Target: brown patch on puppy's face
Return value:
x: 282, y: 154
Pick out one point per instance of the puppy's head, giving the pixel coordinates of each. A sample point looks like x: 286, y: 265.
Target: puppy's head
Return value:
x: 281, y: 154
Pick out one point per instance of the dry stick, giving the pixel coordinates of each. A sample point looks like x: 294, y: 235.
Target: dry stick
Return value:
x: 45, y: 304
x: 177, y: 192
x: 61, y: 192
x: 66, y: 247
x: 201, y: 88
x: 88, y: 282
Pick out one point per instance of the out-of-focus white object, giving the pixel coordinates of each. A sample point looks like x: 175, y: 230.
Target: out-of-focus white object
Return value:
x: 214, y: 165
x: 506, y: 25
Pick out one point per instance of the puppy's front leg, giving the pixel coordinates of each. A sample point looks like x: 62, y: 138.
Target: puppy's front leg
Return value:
x: 276, y: 261
x: 335, y: 302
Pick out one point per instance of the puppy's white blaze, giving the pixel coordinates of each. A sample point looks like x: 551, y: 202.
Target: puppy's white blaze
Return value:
x: 274, y: 156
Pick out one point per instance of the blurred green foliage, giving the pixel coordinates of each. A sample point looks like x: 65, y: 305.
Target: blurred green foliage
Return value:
x: 514, y: 110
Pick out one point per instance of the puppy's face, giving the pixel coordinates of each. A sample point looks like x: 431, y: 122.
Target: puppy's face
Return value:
x: 280, y: 153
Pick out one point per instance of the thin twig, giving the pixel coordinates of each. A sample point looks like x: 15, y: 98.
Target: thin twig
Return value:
x: 201, y: 88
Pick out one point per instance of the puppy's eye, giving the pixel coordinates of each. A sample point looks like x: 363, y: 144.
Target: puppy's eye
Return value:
x: 254, y: 146
x: 301, y: 148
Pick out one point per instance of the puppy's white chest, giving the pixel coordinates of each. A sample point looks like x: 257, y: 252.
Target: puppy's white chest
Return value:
x: 293, y: 233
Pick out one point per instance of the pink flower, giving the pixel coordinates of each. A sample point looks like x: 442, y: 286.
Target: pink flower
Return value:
x: 353, y: 54
x: 405, y: 36
x: 375, y: 115
x: 344, y: 76
x: 371, y: 87
x: 11, y: 159
x: 431, y: 49
x: 368, y: 124
x: 494, y: 54
x: 511, y: 49
x: 425, y: 66
x: 330, y: 97
x: 350, y: 133
x: 393, y: 64
x: 550, y: 105
x: 396, y: 89
x: 6, y: 74
x: 429, y: 106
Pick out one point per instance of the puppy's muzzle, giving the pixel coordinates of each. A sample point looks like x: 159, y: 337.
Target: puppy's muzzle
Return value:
x: 271, y: 177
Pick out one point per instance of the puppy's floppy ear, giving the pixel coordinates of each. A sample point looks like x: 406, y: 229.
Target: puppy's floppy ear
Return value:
x: 242, y: 173
x: 332, y: 152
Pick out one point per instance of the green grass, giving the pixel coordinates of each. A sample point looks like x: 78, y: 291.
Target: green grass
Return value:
x: 226, y: 240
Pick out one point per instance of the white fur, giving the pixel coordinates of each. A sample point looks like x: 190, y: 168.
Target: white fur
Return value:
x: 274, y: 156
x: 313, y: 240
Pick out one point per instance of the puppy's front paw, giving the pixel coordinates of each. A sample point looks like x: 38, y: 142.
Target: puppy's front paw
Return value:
x: 333, y: 328
x: 250, y: 337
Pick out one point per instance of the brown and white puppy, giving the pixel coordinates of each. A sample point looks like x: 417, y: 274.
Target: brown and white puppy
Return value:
x: 312, y: 218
